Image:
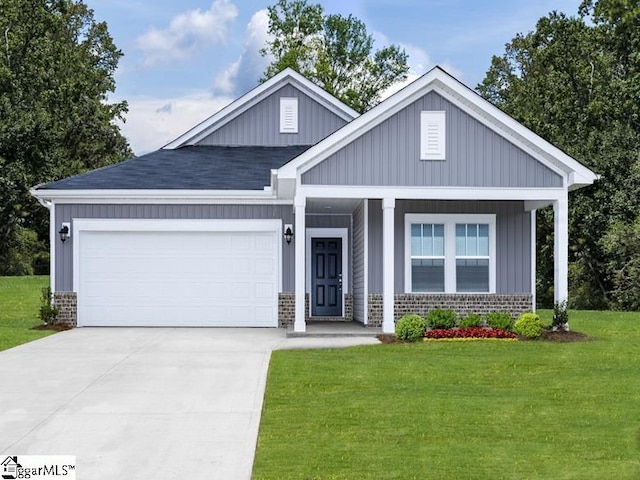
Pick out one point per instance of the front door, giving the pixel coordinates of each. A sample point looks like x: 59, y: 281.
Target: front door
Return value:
x: 326, y: 277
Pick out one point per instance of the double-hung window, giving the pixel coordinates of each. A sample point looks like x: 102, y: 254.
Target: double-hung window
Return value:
x: 450, y: 253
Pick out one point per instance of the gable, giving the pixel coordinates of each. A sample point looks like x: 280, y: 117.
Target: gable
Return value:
x: 389, y: 154
x: 261, y: 124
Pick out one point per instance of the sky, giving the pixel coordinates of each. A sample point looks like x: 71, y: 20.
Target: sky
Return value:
x: 184, y: 60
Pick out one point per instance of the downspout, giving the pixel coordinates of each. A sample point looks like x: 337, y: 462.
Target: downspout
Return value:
x: 52, y: 238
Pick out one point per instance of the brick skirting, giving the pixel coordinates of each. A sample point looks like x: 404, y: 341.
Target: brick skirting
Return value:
x: 461, y: 303
x: 67, y: 303
x: 287, y: 309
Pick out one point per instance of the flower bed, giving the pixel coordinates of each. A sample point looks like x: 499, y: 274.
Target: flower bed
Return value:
x: 469, y: 333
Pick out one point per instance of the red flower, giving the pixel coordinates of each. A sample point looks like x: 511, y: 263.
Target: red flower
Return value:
x: 471, y: 332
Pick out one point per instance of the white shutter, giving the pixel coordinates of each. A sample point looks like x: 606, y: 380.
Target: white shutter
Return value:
x: 288, y: 115
x: 432, y: 136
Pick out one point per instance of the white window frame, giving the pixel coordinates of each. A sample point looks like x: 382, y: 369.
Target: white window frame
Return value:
x: 449, y: 221
x: 288, y: 104
x: 433, y: 135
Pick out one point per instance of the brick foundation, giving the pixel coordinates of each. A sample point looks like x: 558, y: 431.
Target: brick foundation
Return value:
x: 461, y: 303
x: 287, y: 309
x: 67, y: 303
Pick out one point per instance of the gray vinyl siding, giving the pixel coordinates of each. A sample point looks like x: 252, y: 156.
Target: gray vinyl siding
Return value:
x: 389, y: 154
x: 66, y: 213
x: 358, y: 263
x: 260, y: 124
x: 513, y: 240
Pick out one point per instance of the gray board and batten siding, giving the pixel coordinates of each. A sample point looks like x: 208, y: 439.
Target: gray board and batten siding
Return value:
x: 357, y: 262
x: 389, y: 154
x: 260, y: 124
x: 67, y: 212
x: 513, y: 239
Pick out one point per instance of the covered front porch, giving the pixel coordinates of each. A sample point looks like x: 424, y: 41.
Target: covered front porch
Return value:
x: 383, y: 276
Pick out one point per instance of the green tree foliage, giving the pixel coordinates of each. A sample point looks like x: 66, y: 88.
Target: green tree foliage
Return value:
x: 333, y: 51
x: 575, y: 81
x: 56, y: 70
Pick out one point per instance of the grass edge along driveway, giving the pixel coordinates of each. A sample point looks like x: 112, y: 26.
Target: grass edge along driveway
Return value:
x: 19, y: 307
x: 474, y: 410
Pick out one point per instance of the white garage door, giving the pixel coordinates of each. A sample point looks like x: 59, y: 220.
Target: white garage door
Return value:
x: 178, y: 278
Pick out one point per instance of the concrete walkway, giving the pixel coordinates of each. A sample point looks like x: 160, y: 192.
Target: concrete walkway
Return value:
x: 138, y: 403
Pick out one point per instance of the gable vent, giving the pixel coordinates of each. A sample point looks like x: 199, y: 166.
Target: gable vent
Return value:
x: 288, y: 115
x: 432, y: 136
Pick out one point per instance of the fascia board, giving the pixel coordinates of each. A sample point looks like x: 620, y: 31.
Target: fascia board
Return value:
x: 157, y: 196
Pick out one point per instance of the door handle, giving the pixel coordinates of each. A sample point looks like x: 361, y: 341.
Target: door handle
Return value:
x: 340, y: 280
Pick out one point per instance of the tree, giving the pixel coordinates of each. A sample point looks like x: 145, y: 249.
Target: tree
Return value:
x: 333, y: 51
x: 575, y: 83
x: 57, y: 67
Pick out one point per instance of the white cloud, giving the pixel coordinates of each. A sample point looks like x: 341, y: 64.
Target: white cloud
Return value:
x: 154, y: 122
x: 243, y: 74
x: 187, y: 33
x: 419, y: 60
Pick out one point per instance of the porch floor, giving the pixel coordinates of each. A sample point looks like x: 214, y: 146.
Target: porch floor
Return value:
x: 335, y: 329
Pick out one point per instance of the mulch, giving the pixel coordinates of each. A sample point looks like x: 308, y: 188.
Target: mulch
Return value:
x: 55, y: 328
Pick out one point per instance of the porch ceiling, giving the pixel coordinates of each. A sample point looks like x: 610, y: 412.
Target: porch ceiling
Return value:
x: 332, y: 205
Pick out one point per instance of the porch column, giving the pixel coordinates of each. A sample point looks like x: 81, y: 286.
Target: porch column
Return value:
x: 300, y: 263
x: 388, y: 275
x: 561, y: 247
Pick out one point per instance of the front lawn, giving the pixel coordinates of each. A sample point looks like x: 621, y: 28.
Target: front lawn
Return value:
x: 19, y: 306
x: 472, y: 410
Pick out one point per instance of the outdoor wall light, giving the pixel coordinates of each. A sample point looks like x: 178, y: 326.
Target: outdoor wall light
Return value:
x: 288, y: 233
x: 65, y: 232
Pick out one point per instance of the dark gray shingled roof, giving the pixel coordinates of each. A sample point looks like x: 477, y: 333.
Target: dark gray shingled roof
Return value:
x: 188, y: 168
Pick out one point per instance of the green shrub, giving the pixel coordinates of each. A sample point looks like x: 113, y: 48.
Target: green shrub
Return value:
x: 471, y: 320
x: 441, y: 319
x: 560, y: 315
x: 48, y: 311
x: 501, y: 320
x: 529, y: 325
x: 410, y: 327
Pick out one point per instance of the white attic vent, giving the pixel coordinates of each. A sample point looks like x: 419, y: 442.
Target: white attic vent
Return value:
x: 432, y: 136
x: 288, y: 115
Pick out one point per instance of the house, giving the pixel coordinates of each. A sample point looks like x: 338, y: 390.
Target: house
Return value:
x: 10, y: 467
x: 287, y: 206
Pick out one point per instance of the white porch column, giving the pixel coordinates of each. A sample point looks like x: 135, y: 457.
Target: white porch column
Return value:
x: 300, y: 263
x: 561, y: 247
x: 388, y: 275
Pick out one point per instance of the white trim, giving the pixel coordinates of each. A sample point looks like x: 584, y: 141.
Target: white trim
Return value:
x: 365, y: 289
x: 433, y: 134
x: 431, y: 193
x: 52, y: 247
x: 300, y: 325
x: 466, y: 99
x: 170, y: 225
x: 533, y: 260
x: 388, y: 264
x: 159, y: 196
x: 449, y: 221
x: 288, y: 114
x: 342, y: 233
x: 561, y: 249
x: 251, y: 98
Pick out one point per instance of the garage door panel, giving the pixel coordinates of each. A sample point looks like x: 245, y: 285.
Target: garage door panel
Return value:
x: 178, y: 278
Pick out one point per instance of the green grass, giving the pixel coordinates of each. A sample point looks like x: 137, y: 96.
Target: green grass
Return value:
x: 19, y: 306
x: 470, y: 410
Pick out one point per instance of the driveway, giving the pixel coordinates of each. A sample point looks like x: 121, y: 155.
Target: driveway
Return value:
x: 142, y: 403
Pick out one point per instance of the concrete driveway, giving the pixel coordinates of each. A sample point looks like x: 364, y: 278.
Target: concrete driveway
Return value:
x: 142, y: 403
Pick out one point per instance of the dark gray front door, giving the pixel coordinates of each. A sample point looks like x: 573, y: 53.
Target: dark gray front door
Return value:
x: 326, y: 277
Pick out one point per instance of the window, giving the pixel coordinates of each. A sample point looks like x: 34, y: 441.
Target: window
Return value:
x: 450, y: 253
x: 288, y: 115
x: 432, y: 136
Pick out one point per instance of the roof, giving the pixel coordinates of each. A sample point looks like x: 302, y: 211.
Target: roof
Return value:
x: 251, y: 98
x: 469, y: 101
x: 188, y: 168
